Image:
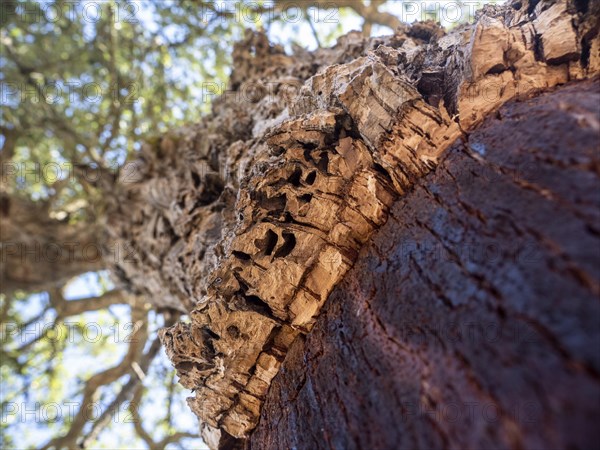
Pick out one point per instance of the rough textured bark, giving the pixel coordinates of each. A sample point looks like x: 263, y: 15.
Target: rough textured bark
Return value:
x: 470, y: 320
x: 250, y: 219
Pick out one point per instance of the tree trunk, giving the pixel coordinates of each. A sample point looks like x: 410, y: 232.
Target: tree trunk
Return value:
x: 250, y: 219
x: 470, y: 320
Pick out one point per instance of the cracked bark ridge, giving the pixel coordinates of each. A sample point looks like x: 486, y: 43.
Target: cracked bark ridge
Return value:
x: 176, y: 200
x: 296, y: 184
x: 470, y: 319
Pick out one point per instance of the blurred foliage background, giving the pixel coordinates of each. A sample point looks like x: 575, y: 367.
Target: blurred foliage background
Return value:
x: 83, y: 84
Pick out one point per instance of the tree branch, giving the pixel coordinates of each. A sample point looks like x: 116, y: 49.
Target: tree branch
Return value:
x: 40, y: 252
x: 130, y: 388
x: 65, y: 308
x: 136, y: 346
